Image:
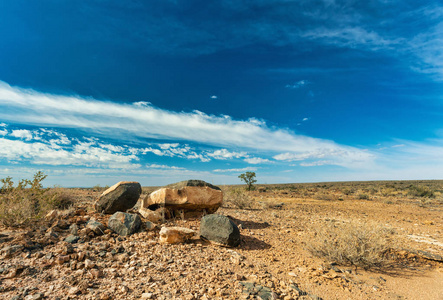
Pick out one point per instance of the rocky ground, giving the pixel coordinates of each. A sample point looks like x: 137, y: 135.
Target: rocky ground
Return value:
x: 272, y: 261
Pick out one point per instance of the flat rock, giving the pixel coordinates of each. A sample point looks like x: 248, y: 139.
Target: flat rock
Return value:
x: 151, y: 215
x: 220, y: 230
x: 175, y: 235
x: 119, y: 197
x: 189, y: 195
x: 124, y: 223
x: 10, y: 251
x: 97, y: 227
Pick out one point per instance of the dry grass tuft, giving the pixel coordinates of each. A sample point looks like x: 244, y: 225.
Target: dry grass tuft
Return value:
x: 237, y: 197
x: 360, y: 244
x: 58, y: 198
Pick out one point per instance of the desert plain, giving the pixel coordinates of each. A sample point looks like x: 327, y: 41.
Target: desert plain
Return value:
x: 343, y: 240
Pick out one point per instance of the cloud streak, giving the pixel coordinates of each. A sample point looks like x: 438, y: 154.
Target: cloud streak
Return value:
x: 111, y: 119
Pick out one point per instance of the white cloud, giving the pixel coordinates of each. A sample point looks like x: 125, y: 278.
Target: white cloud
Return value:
x: 194, y: 155
x: 305, y: 119
x: 3, y: 132
x: 226, y: 154
x: 163, y: 167
x: 22, y: 134
x: 256, y: 160
x: 235, y: 170
x: 142, y: 104
x: 41, y: 109
x: 214, y: 97
x: 3, y: 124
x: 168, y: 146
x: 298, y: 84
x: 80, y: 154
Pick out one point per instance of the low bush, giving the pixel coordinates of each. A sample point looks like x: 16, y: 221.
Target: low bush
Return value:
x: 363, y: 197
x: 359, y: 244
x: 420, y: 192
x: 29, y: 201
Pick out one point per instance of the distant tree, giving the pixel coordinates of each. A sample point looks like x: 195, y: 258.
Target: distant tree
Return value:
x: 248, y: 178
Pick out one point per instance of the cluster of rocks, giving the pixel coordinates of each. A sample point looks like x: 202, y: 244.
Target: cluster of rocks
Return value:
x: 179, y: 199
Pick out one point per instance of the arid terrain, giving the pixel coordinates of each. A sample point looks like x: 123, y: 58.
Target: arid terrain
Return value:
x: 295, y: 239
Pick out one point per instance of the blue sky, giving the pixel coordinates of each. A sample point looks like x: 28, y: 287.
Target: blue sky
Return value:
x: 94, y: 92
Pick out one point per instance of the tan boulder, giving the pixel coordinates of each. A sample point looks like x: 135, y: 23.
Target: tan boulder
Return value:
x: 175, y: 235
x: 189, y: 195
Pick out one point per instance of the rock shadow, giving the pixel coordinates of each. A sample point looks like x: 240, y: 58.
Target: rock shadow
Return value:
x: 249, y: 224
x: 252, y: 243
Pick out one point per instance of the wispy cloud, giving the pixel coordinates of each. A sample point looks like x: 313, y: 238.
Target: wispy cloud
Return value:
x: 256, y: 160
x: 226, y: 154
x: 298, y: 84
x: 341, y: 157
x: 235, y: 170
x: 129, y: 121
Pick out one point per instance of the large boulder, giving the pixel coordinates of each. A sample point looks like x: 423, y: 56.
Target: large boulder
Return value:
x: 219, y: 230
x: 119, y: 197
x: 124, y: 223
x: 189, y: 195
x: 175, y: 235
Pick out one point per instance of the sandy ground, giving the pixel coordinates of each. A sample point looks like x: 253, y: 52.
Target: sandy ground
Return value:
x: 273, y: 254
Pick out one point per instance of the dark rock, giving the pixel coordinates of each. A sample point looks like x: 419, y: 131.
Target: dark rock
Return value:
x: 72, y: 239
x: 119, y: 197
x: 124, y: 223
x: 192, y: 182
x: 220, y: 229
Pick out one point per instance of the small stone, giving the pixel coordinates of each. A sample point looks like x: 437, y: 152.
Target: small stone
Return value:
x: 73, y: 229
x: 147, y: 296
x: 62, y: 259
x: 89, y: 264
x: 149, y: 226
x: 74, y: 291
x: 97, y: 227
x: 37, y: 296
x: 72, y: 239
x: 96, y: 273
x: 175, y: 235
x: 52, y: 215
